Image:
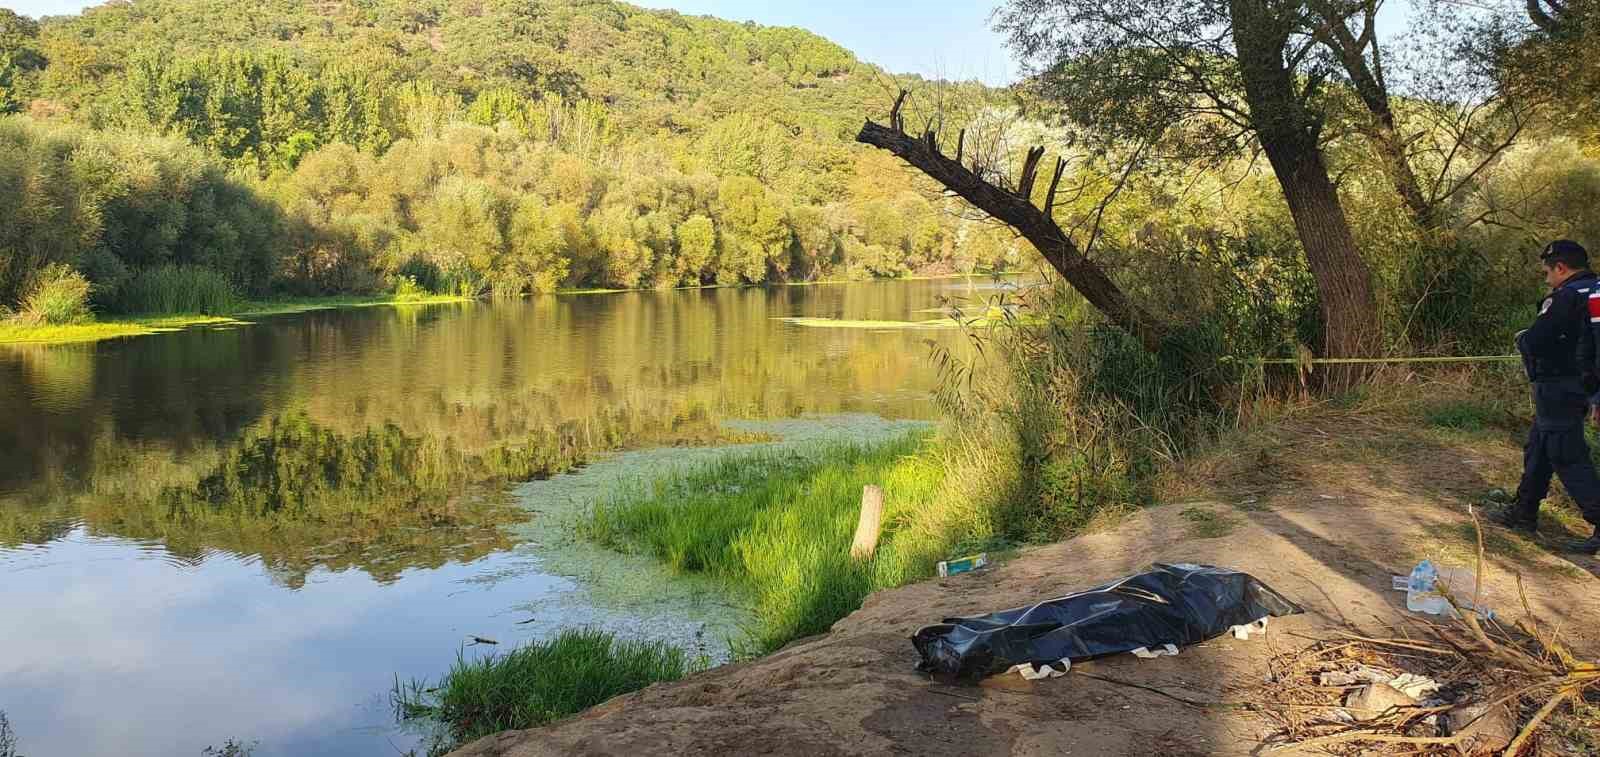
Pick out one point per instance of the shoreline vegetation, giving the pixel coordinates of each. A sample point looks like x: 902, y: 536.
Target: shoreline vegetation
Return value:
x: 116, y: 327
x: 536, y: 684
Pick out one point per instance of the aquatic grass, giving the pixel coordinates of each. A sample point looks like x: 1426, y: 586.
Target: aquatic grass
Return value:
x: 287, y: 306
x: 840, y: 323
x: 537, y: 684
x: 21, y: 333
x: 18, y: 331
x: 176, y: 289
x: 778, y: 527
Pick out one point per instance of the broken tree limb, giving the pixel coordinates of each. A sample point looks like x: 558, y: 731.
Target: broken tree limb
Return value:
x: 1016, y: 211
x: 1055, y: 181
x: 894, y: 113
x: 1030, y: 172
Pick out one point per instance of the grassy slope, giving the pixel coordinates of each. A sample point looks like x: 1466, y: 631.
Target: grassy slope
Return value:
x: 779, y: 527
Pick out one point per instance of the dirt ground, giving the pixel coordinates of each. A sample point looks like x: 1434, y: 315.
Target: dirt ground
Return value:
x: 1324, y: 510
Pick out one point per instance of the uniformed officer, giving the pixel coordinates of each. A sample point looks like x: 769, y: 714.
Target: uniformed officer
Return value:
x: 1559, y: 353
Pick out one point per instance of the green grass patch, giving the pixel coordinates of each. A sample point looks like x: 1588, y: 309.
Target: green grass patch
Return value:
x: 17, y: 333
x: 1205, y: 523
x: 536, y: 684
x: 1463, y: 415
x: 777, y: 527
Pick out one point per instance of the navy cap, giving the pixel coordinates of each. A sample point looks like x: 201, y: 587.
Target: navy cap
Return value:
x: 1564, y: 248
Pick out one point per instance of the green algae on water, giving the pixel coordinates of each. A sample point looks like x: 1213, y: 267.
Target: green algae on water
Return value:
x: 838, y: 323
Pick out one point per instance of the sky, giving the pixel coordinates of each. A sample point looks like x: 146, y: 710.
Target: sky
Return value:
x: 950, y: 39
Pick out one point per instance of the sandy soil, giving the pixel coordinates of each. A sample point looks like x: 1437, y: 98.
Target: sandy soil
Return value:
x: 1323, y: 510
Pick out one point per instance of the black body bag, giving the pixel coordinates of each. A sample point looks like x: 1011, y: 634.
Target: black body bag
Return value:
x: 1167, y: 604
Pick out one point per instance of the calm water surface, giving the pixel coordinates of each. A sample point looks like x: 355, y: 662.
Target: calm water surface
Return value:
x: 125, y: 630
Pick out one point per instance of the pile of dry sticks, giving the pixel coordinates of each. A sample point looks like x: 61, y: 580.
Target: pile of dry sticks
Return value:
x: 1463, y: 685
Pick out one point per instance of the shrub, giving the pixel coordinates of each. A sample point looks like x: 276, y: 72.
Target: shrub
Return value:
x: 60, y: 295
x: 176, y: 289
x: 406, y: 289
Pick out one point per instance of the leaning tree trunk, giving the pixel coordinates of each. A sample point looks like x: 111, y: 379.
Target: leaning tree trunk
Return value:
x: 1288, y: 136
x: 1015, y: 209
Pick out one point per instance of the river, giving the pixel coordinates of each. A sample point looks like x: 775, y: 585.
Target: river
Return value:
x: 134, y: 621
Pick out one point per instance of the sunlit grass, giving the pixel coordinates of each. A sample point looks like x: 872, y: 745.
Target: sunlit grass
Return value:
x: 117, y: 327
x: 536, y: 684
x: 306, y: 304
x: 15, y: 333
x: 778, y: 527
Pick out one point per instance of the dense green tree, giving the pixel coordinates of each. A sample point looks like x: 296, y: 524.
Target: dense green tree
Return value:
x: 20, y: 59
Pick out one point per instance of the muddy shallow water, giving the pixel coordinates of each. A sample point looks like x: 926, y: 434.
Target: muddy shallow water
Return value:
x: 130, y: 626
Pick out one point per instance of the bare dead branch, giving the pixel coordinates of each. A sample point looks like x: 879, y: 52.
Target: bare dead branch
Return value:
x: 1016, y: 211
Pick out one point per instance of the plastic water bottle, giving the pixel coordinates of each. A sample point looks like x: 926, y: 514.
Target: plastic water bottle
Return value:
x: 1420, y: 594
x: 1422, y: 590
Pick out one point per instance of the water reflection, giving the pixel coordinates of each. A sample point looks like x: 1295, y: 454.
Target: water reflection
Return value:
x: 247, y: 533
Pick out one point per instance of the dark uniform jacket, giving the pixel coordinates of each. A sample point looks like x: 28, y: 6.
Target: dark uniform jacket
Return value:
x: 1559, y: 353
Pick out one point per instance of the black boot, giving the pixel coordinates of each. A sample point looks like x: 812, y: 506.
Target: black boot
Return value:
x: 1590, y: 547
x: 1517, y: 519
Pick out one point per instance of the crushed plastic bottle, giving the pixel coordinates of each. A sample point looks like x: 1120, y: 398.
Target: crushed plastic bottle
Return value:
x: 1422, y: 594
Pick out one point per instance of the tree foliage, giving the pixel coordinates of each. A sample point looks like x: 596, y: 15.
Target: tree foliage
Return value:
x: 504, y: 145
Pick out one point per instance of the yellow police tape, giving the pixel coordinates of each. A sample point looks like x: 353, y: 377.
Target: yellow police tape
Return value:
x: 1447, y: 359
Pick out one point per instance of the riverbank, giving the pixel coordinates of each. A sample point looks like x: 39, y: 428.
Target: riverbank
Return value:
x: 1323, y: 504
x: 130, y: 326
x: 118, y: 327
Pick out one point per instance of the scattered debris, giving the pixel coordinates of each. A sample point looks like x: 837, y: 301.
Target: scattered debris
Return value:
x: 948, y: 568
x: 480, y: 640
x: 1376, y: 700
x: 1459, y: 684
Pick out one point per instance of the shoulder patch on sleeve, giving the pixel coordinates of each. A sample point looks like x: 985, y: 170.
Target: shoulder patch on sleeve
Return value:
x: 1594, y: 307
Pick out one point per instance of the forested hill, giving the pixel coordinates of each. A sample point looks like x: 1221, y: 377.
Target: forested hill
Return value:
x: 777, y: 103
x: 658, y: 148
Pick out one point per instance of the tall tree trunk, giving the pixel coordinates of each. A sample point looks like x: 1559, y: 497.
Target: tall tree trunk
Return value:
x: 1288, y: 135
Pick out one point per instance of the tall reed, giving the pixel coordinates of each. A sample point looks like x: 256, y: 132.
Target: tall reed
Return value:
x: 175, y: 289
